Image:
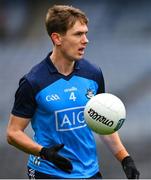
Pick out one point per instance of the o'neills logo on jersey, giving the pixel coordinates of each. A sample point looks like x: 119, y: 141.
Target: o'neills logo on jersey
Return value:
x: 70, y: 89
x: 97, y: 117
x: 69, y: 119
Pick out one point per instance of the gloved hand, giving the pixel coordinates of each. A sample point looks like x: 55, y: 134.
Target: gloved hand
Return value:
x: 51, y: 154
x: 130, y: 168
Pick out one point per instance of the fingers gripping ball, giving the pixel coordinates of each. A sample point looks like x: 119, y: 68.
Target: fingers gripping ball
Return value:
x: 105, y: 113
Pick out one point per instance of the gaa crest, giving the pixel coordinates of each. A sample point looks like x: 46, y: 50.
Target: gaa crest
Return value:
x: 89, y: 93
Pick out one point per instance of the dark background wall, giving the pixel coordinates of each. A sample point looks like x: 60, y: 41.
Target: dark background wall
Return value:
x: 120, y: 42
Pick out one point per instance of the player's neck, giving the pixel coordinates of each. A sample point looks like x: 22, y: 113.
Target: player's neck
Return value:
x: 63, y: 65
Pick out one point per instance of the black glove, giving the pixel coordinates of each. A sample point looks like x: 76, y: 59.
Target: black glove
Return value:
x: 130, y: 168
x: 51, y: 154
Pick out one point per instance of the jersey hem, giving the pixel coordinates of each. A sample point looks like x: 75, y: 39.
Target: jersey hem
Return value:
x: 69, y: 176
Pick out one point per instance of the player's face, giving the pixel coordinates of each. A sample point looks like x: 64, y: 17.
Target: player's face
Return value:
x: 74, y: 41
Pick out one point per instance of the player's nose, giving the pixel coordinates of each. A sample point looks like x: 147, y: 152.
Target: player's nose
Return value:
x: 84, y: 39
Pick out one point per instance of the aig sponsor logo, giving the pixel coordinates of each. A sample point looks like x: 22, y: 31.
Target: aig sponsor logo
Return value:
x: 69, y: 119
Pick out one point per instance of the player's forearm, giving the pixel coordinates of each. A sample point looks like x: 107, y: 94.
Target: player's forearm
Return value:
x: 115, y: 145
x: 21, y: 141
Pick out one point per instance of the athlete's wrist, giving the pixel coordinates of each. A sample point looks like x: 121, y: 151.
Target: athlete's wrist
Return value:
x: 120, y: 155
x: 37, y: 149
x: 43, y: 152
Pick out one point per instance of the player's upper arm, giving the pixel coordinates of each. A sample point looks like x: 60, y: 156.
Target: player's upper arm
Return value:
x: 25, y: 103
x: 100, y: 81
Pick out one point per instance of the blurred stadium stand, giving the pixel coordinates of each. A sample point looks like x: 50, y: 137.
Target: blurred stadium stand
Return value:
x: 120, y: 42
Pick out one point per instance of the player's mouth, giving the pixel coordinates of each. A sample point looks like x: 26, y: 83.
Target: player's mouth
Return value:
x: 81, y: 50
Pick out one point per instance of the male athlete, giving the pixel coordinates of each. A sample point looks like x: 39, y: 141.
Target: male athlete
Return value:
x: 52, y: 97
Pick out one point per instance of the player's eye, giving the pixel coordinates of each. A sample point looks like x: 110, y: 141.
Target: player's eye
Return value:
x: 79, y: 33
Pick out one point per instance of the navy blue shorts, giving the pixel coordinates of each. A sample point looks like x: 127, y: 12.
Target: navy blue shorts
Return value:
x: 32, y: 174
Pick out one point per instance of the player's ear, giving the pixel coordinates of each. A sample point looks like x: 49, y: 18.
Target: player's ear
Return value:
x: 56, y: 38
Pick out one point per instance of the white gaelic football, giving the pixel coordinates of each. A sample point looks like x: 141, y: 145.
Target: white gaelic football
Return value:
x: 105, y: 113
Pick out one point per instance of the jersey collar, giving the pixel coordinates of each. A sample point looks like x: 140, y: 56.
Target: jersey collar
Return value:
x: 53, y: 69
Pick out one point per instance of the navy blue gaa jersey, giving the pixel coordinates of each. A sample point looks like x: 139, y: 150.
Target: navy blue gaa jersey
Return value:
x: 55, y: 104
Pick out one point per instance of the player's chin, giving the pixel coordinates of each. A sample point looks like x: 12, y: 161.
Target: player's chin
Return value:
x: 79, y: 56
